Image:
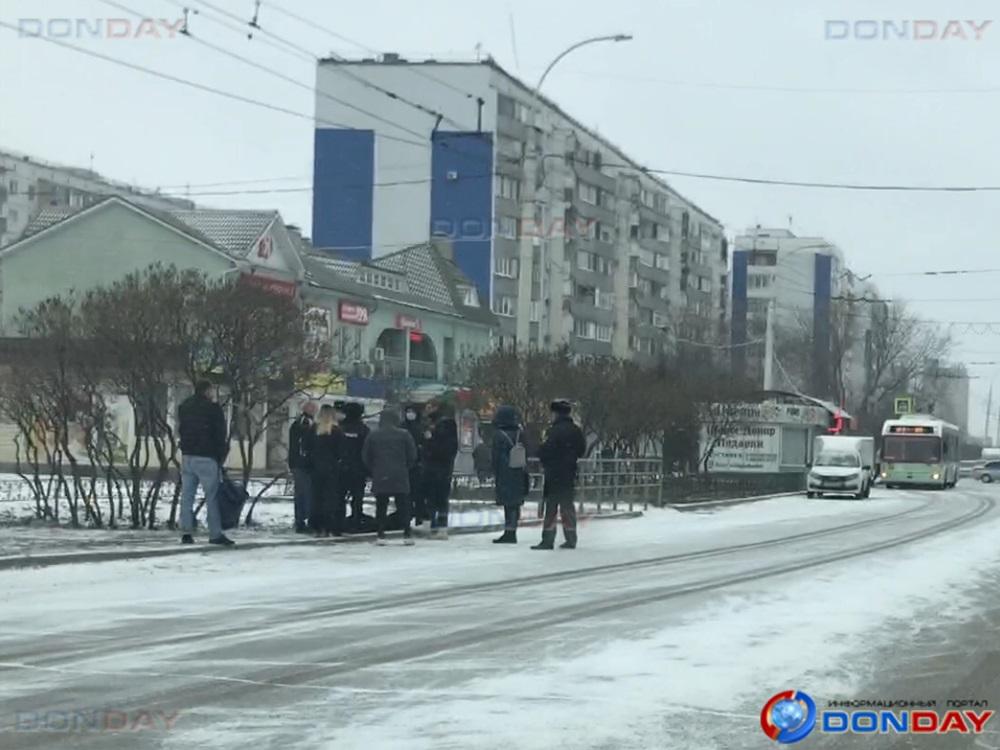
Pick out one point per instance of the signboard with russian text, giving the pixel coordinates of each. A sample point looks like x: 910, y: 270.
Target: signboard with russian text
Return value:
x: 407, y: 322
x: 352, y: 312
x: 274, y: 286
x: 750, y: 448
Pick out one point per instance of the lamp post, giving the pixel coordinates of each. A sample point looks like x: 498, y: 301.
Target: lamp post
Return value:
x: 592, y: 40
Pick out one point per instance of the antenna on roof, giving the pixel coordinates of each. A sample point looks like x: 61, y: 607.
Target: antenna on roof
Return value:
x: 513, y: 40
x: 479, y: 51
x: 91, y: 161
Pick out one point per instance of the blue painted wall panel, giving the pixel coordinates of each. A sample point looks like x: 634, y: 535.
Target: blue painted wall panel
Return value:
x: 739, y: 308
x: 343, y: 186
x: 462, y: 201
x: 822, y: 286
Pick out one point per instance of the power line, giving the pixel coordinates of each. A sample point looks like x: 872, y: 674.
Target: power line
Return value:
x: 366, y: 48
x: 242, y: 32
x: 795, y: 183
x: 438, y: 116
x: 202, y: 86
x: 270, y: 71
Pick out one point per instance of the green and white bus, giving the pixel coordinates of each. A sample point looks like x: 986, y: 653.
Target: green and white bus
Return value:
x: 919, y: 450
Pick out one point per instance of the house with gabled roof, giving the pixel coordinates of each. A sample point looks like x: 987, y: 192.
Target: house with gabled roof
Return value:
x: 64, y: 249
x: 410, y: 321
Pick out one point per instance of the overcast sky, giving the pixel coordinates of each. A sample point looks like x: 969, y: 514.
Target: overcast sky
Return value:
x: 732, y: 88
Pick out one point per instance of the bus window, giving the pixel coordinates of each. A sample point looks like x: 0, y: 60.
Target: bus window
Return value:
x: 911, y: 450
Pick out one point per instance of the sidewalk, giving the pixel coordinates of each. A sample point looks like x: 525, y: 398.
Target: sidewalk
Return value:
x: 40, y: 546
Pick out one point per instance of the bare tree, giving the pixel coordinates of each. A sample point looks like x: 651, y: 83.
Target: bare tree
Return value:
x: 898, y: 347
x: 259, y: 346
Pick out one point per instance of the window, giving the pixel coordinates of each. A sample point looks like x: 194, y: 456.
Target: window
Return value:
x: 604, y: 300
x: 508, y: 106
x: 536, y: 311
x: 347, y: 343
x: 645, y: 287
x: 763, y: 258
x: 507, y: 227
x: 586, y: 294
x: 587, y: 193
x: 13, y: 187
x: 604, y: 233
x: 508, y: 187
x: 662, y: 262
x: 506, y: 306
x: 659, y: 319
x: 31, y: 192
x: 663, y: 292
x: 606, y: 199
x: 595, y: 263
x: 660, y: 203
x: 506, y: 267
x: 647, y: 198
x: 647, y: 258
x: 603, y: 333
x: 585, y: 329
x: 381, y: 280
x: 470, y: 296
x: 760, y: 281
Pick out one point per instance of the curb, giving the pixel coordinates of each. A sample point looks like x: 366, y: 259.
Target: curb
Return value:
x: 66, y: 558
x: 731, y: 501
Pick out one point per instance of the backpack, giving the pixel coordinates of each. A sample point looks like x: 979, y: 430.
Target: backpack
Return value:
x: 518, y: 457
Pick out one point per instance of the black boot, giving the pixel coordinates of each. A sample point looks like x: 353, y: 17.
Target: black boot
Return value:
x: 548, y: 540
x: 570, y: 542
x: 509, y: 537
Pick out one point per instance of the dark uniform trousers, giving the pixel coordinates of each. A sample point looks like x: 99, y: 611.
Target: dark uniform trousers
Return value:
x: 559, y: 502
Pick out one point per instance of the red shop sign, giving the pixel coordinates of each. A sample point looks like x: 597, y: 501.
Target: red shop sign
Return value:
x: 351, y: 312
x: 274, y: 286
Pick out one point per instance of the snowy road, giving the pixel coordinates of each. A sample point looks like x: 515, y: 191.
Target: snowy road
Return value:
x: 668, y: 631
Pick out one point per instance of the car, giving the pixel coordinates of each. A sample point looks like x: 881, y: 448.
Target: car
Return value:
x: 987, y: 473
x: 838, y: 473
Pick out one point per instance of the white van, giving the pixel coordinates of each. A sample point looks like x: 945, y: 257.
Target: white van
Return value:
x: 837, y: 471
x: 865, y: 446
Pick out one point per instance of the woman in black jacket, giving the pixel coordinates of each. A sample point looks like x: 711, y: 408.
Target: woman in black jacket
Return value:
x: 327, y: 516
x: 511, y: 481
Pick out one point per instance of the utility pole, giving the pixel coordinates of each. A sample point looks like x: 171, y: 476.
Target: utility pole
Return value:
x: 769, y: 348
x: 989, y: 407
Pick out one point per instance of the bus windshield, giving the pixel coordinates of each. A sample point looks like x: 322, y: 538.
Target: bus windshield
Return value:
x: 911, y: 450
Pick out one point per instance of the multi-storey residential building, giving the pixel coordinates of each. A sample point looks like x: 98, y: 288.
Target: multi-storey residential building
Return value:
x: 946, y: 392
x: 29, y: 185
x: 571, y: 240
x: 799, y: 279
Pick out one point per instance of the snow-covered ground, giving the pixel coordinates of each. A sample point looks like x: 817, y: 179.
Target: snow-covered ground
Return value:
x: 465, y: 644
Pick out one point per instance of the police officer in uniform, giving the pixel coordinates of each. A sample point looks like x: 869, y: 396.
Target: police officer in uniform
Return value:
x: 564, y: 445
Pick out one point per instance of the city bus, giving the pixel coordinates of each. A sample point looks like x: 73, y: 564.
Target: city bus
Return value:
x: 919, y: 450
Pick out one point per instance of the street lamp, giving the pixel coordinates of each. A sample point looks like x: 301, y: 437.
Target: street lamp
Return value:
x: 592, y: 40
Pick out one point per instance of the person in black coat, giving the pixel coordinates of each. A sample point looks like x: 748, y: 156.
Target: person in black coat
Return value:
x: 440, y: 449
x: 300, y: 439
x: 201, y: 425
x: 563, y: 447
x: 327, y: 449
x: 511, y: 481
x: 353, y: 473
x: 413, y: 424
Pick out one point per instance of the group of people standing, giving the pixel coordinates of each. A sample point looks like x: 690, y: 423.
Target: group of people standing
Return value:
x: 332, y: 454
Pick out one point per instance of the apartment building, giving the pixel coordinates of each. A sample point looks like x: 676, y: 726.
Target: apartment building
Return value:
x: 798, y: 278
x: 570, y: 240
x: 29, y: 185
